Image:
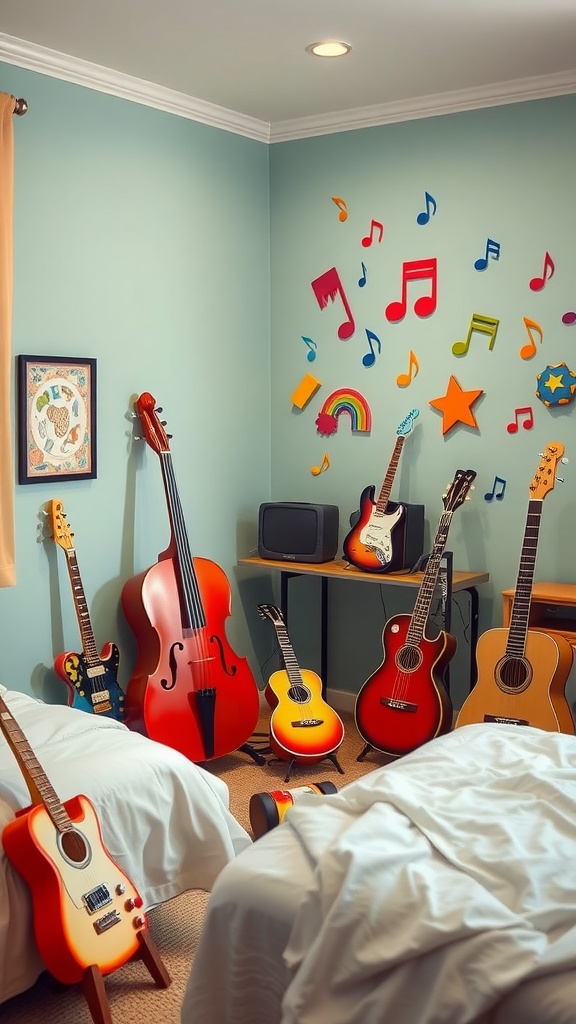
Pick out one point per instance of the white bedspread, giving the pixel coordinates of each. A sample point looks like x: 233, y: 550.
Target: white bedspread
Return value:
x: 164, y: 820
x: 440, y: 881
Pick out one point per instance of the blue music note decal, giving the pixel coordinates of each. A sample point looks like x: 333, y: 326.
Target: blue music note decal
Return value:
x: 311, y: 355
x: 362, y: 280
x: 370, y: 358
x: 424, y: 217
x: 492, y: 494
x: 493, y: 250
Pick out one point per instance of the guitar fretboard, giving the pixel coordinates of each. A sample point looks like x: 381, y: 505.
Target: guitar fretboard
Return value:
x: 426, y: 591
x: 40, y: 787
x: 386, y: 489
x: 520, y: 616
x: 81, y: 607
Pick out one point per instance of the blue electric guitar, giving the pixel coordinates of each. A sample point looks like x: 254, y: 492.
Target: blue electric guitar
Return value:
x: 91, y: 678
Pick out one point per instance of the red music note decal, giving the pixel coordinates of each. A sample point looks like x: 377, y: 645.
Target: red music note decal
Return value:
x: 528, y: 423
x: 527, y: 351
x: 328, y: 286
x: 370, y: 238
x: 415, y: 270
x: 342, y: 207
x: 492, y: 494
x: 424, y: 217
x: 537, y: 283
x: 484, y: 325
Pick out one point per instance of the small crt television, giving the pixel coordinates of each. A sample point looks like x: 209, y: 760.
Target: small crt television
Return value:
x: 298, y: 531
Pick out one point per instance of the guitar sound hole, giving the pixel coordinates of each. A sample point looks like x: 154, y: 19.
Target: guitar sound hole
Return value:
x: 299, y: 694
x: 409, y: 658
x: 513, y: 674
x: 74, y: 848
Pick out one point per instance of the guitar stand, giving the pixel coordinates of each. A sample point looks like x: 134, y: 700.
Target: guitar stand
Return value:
x: 247, y: 748
x: 366, y: 750
x: 93, y: 982
x: 293, y: 761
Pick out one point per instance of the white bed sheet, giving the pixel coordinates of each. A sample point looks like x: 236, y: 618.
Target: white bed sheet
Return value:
x: 439, y: 889
x: 164, y: 820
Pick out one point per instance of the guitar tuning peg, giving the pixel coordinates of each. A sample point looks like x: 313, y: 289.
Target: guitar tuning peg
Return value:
x: 159, y: 409
x: 564, y: 461
x: 560, y: 479
x: 163, y: 422
x: 169, y: 436
x: 136, y: 437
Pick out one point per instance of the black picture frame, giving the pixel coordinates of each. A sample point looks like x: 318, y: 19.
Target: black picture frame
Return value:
x: 57, y: 421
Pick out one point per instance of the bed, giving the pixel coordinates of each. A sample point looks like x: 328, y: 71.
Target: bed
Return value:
x: 164, y: 820
x: 440, y: 889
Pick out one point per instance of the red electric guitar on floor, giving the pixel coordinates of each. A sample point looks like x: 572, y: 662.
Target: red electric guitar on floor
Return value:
x: 370, y: 543
x: 522, y: 673
x: 91, y: 678
x: 405, y: 703
x: 304, y: 729
x: 88, y: 916
x: 189, y: 689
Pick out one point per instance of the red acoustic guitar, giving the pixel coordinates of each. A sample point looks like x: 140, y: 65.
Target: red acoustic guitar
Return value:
x: 88, y: 916
x: 303, y: 727
x: 370, y: 543
x: 522, y: 673
x: 188, y: 690
x: 405, y: 703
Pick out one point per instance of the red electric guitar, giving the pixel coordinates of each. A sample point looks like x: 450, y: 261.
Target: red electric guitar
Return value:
x: 522, y: 673
x: 188, y: 690
x: 405, y: 703
x: 303, y: 727
x: 370, y: 543
x: 88, y: 916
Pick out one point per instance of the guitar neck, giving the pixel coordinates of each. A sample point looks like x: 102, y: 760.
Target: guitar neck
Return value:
x: 192, y: 609
x: 39, y: 786
x: 288, y: 656
x: 386, y: 489
x: 81, y: 609
x: 426, y: 591
x: 520, y: 616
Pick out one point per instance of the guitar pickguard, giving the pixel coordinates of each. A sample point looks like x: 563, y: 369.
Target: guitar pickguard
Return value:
x: 377, y: 534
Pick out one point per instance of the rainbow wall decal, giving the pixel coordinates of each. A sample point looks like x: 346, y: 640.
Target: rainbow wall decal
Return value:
x: 344, y: 400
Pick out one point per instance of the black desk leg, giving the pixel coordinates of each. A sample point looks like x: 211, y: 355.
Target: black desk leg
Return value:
x: 474, y: 603
x: 285, y: 577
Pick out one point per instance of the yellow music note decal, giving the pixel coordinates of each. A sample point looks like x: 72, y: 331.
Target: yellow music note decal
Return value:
x: 527, y: 351
x: 316, y: 470
x: 404, y: 379
x: 484, y: 325
x: 340, y: 203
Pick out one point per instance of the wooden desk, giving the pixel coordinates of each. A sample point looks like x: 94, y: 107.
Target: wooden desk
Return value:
x: 338, y: 569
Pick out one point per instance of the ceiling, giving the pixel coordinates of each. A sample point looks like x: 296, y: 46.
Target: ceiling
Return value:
x: 248, y: 56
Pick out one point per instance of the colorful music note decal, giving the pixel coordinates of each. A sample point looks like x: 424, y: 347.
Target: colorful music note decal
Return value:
x: 415, y: 270
x: 375, y: 225
x: 492, y: 494
x: 527, y: 351
x: 569, y: 318
x: 342, y: 207
x: 370, y: 358
x: 311, y: 355
x: 328, y: 286
x: 316, y: 470
x: 492, y: 250
x: 404, y: 379
x: 484, y: 325
x: 362, y: 280
x: 537, y: 283
x: 528, y: 423
x: 424, y: 217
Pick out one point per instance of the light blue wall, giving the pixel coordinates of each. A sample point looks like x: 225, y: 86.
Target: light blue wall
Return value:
x: 141, y: 239
x: 506, y: 173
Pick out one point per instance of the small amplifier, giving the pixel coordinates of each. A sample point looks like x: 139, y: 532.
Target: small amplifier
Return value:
x: 267, y: 810
x: 298, y: 531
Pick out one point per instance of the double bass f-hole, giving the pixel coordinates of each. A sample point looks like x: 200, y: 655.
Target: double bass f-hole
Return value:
x: 173, y: 664
x: 229, y: 671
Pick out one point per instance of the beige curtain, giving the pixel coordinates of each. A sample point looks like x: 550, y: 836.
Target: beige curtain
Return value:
x: 7, y: 568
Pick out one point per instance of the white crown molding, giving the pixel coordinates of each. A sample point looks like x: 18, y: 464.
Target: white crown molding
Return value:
x: 498, y: 94
x: 115, y: 83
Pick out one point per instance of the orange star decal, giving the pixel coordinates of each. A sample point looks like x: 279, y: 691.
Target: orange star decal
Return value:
x: 456, y: 406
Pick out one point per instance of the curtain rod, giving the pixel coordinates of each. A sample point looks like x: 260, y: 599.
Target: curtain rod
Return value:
x: 20, y: 106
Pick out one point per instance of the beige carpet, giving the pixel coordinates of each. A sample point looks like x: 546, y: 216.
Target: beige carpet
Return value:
x: 175, y: 926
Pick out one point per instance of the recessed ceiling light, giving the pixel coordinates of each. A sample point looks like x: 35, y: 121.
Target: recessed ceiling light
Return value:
x: 330, y: 48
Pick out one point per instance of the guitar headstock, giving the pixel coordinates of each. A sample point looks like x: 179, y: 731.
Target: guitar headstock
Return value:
x: 404, y: 428
x: 545, y: 477
x: 270, y: 611
x: 152, y: 426
x: 60, y: 530
x: 459, y: 489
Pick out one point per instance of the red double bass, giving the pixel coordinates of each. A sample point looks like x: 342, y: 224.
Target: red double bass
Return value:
x: 189, y: 689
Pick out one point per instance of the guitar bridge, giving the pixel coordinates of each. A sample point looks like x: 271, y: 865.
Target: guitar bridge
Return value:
x: 502, y: 720
x: 398, y: 705
x: 307, y: 723
x: 106, y: 922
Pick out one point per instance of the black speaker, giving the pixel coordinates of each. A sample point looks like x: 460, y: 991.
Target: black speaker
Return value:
x: 298, y: 531
x: 408, y: 538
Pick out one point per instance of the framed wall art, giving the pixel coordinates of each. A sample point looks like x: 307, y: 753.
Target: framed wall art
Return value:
x: 56, y: 419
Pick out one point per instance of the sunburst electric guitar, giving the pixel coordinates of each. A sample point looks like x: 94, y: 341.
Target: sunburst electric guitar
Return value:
x: 522, y: 673
x: 303, y: 727
x: 88, y: 916
x: 91, y: 678
x: 405, y: 703
x: 370, y: 543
